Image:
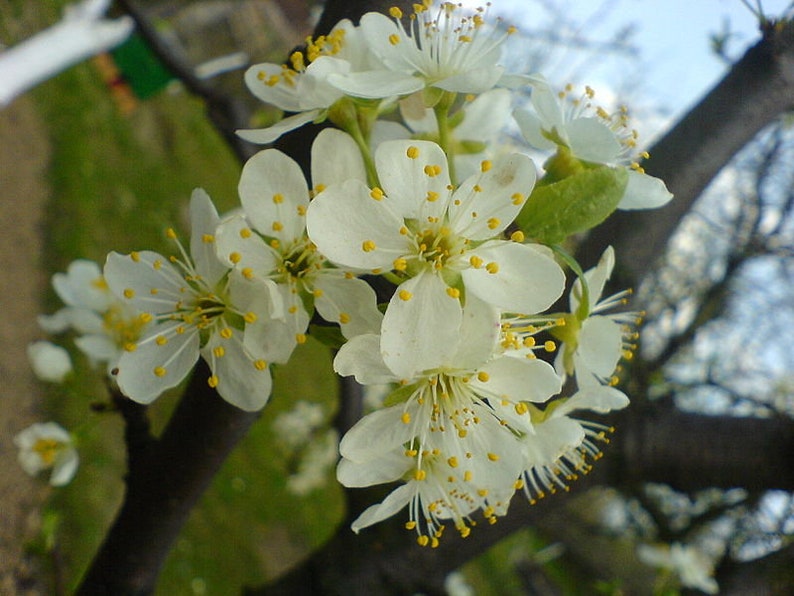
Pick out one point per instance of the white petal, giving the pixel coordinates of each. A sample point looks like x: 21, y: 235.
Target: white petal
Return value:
x: 527, y: 281
x: 375, y: 434
x: 599, y: 398
x: 350, y: 302
x: 274, y: 193
x: 397, y: 499
x: 406, y: 182
x: 519, y: 379
x: 203, y: 222
x: 137, y: 379
x: 501, y: 191
x: 644, y: 192
x: 547, y: 106
x: 479, y: 331
x: 597, y: 278
x: 274, y: 340
x: 592, y: 140
x: 421, y: 332
x: 336, y: 158
x: 81, y: 286
x: 344, y: 217
x: 239, y: 382
x: 532, y: 129
x: 484, y: 116
x: 49, y: 362
x: 361, y: 358
x: 99, y: 348
x: 264, y: 136
x: 476, y: 80
x: 376, y: 84
x: 280, y: 95
x: 65, y: 467
x: 57, y: 322
x: 234, y: 237
x: 552, y: 439
x: 387, y: 468
x: 145, y: 280
x: 600, y: 345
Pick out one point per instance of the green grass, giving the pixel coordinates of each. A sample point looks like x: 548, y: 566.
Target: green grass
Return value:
x: 117, y: 183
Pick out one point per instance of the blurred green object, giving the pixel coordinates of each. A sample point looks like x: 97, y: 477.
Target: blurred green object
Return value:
x: 141, y: 69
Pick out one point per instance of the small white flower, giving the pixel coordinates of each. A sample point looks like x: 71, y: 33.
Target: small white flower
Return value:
x: 105, y: 323
x: 441, y: 48
x: 693, y: 567
x: 44, y: 446
x: 461, y: 454
x: 269, y: 242
x: 442, y: 241
x: 316, y: 461
x: 594, y: 342
x: 592, y: 135
x: 199, y: 307
x: 50, y: 363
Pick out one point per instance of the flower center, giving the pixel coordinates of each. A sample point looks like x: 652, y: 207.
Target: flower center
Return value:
x: 47, y: 450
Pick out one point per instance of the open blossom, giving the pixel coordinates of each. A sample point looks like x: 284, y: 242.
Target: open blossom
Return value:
x: 592, y: 135
x: 269, y: 242
x: 198, y: 307
x: 302, y: 86
x: 593, y: 341
x: 49, y: 362
x: 104, y: 322
x: 448, y: 443
x: 44, y: 446
x: 441, y: 240
x: 441, y: 47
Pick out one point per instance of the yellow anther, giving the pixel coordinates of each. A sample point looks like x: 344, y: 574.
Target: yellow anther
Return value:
x: 317, y: 292
x: 260, y: 364
x: 344, y: 318
x: 129, y: 293
x: 300, y: 338
x: 394, y: 39
x: 376, y: 193
x: 453, y: 462
x: 171, y: 233
x: 464, y: 38
x: 157, y: 264
x: 212, y: 381
x: 492, y: 267
x: 277, y: 226
x: 511, y: 29
x: 247, y: 272
x: 161, y: 340
x: 420, y: 475
x: 278, y: 198
x: 493, y: 457
x: 226, y: 333
x: 130, y: 347
x: 517, y: 236
x: 529, y: 342
x: 412, y: 152
x: 396, y: 12
x: 493, y: 223
x: 250, y: 317
x: 235, y: 257
x: 245, y: 232
x: 405, y: 295
x: 485, y: 165
x: 476, y: 262
x: 400, y: 264
x: 521, y: 408
x: 403, y: 230
x: 406, y: 418
x: 410, y: 525
x: 135, y: 256
x: 145, y: 317
x: 549, y: 346
x: 432, y: 170
x: 159, y: 371
x: 483, y: 376
x: 218, y: 351
x: 301, y: 209
x: 453, y: 292
x: 517, y: 198
x: 423, y: 540
x: 432, y: 196
x: 208, y: 238
x: 368, y: 246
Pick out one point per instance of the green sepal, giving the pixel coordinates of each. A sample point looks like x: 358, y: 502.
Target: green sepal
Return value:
x: 574, y: 204
x: 399, y: 395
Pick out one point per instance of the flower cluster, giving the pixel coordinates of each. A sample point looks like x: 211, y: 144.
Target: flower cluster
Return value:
x: 486, y: 366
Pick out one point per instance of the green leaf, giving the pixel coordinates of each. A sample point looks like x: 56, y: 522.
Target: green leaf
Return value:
x: 575, y: 204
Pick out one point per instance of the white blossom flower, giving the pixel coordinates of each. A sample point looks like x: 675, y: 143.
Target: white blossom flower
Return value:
x: 275, y: 198
x: 594, y: 342
x: 692, y: 566
x: 49, y: 362
x: 592, y: 135
x: 304, y: 88
x: 200, y: 307
x: 445, y: 440
x: 441, y: 48
x: 316, y: 461
x: 442, y: 241
x: 44, y: 446
x: 105, y: 323
x: 558, y: 447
